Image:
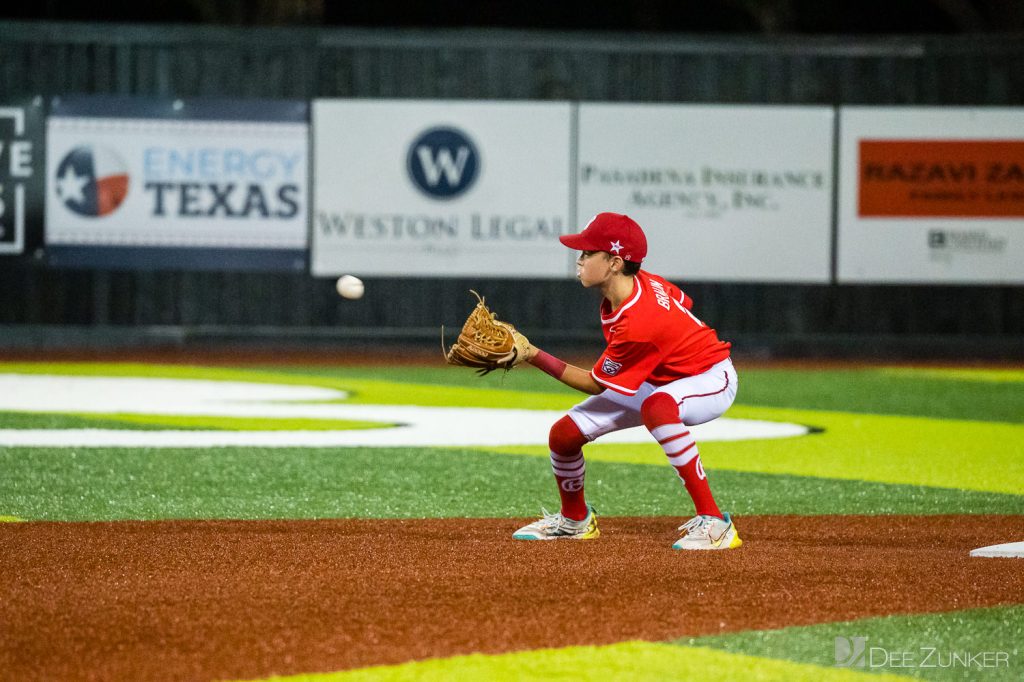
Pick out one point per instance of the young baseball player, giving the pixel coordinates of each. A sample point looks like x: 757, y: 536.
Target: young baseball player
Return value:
x: 662, y: 368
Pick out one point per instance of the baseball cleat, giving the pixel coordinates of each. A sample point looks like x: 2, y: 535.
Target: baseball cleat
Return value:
x: 557, y: 527
x: 708, y: 532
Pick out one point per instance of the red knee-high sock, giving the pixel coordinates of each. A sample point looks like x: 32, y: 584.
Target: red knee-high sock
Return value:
x: 566, y: 443
x: 661, y: 417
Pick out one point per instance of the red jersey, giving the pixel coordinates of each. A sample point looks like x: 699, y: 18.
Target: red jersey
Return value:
x: 654, y: 337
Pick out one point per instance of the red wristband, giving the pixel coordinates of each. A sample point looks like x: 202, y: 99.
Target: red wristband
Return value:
x: 548, y: 364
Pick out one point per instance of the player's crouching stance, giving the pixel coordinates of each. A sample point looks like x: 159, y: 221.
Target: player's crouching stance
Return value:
x: 663, y: 368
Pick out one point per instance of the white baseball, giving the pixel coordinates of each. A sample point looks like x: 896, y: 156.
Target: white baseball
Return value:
x: 350, y: 287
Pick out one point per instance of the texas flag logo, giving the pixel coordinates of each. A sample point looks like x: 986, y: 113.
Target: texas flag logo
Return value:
x: 610, y: 367
x: 92, y: 181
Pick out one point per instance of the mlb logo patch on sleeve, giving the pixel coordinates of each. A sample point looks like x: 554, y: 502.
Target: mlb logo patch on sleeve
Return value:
x: 610, y: 367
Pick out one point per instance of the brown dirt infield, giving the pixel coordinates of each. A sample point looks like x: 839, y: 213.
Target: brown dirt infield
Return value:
x: 204, y: 600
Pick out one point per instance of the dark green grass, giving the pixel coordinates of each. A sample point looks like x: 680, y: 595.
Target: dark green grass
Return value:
x: 999, y: 629
x: 29, y: 420
x: 868, y: 391
x: 878, y: 392
x: 251, y: 483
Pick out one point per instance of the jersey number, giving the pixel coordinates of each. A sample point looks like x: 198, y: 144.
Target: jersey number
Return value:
x: 692, y: 316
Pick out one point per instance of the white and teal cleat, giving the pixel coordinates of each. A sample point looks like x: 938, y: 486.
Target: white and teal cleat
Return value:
x: 708, y: 533
x: 558, y: 527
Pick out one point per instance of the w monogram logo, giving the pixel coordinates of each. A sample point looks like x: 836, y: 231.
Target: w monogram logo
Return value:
x: 443, y: 163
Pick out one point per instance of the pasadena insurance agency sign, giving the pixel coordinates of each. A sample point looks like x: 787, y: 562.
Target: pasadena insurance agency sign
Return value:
x: 185, y: 181
x: 729, y: 193
x: 441, y: 188
x: 931, y: 195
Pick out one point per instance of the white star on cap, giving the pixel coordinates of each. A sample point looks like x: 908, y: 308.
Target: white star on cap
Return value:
x: 616, y: 247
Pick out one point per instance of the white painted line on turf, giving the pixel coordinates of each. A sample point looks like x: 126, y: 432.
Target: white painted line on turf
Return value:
x: 418, y: 426
x: 145, y: 395
x: 1013, y: 550
x: 450, y: 426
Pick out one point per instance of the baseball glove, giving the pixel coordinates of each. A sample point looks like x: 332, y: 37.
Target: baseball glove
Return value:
x: 486, y: 343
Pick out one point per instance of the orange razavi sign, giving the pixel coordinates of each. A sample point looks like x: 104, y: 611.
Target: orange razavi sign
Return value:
x: 941, y: 178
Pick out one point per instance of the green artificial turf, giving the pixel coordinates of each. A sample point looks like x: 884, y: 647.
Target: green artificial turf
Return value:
x: 944, y: 453
x: 52, y: 420
x: 362, y: 387
x: 899, y: 644
x: 896, y: 391
x: 978, y: 396
x: 253, y: 483
x: 883, y: 461
x: 885, y: 392
x: 150, y: 422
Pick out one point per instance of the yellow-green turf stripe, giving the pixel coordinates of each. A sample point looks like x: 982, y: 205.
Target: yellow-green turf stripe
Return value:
x: 998, y: 376
x: 10, y: 519
x: 234, y: 423
x: 945, y: 453
x: 968, y: 455
x: 361, y: 391
x: 619, y: 662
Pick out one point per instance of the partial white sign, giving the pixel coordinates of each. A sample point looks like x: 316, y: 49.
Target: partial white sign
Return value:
x: 931, y: 195
x: 441, y: 188
x: 727, y: 193
x: 21, y: 173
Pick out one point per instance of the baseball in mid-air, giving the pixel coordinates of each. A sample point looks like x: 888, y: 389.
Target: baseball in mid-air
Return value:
x: 350, y: 287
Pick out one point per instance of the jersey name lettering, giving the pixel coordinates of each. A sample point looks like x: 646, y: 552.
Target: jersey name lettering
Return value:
x: 660, y: 294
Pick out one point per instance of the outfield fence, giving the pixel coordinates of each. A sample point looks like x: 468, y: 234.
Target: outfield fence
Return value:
x: 60, y: 307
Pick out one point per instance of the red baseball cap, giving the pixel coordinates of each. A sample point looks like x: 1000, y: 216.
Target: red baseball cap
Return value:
x: 615, y: 233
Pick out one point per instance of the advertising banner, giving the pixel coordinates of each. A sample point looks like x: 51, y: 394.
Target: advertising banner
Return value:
x: 146, y: 183
x: 441, y: 188
x: 931, y: 195
x: 21, y: 175
x: 726, y: 193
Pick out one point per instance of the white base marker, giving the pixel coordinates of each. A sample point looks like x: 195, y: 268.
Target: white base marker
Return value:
x: 1012, y: 550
